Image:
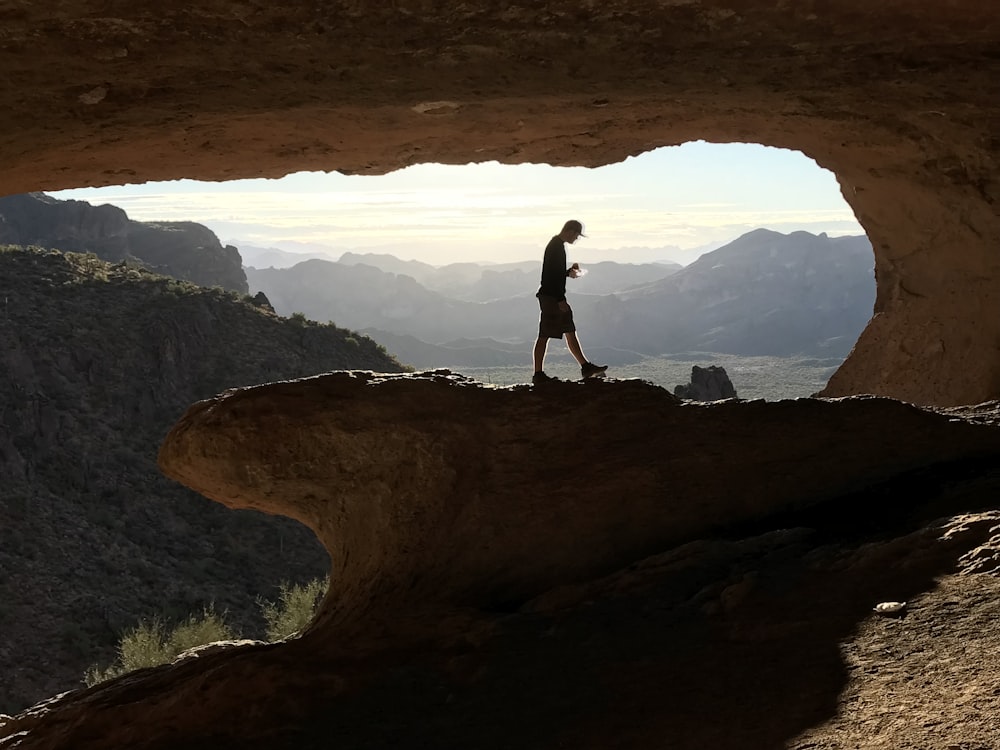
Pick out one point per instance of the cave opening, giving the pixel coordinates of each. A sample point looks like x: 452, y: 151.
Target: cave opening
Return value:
x: 764, y: 233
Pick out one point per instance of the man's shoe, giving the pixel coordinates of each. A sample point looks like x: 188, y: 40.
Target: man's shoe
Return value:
x: 541, y: 377
x: 590, y: 370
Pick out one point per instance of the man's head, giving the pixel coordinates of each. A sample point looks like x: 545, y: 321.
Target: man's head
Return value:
x: 571, y: 230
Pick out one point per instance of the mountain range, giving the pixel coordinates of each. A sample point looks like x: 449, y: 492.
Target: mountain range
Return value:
x: 765, y: 293
x: 483, y: 282
x: 290, y: 252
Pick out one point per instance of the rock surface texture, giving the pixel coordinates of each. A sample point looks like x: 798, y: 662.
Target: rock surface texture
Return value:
x: 897, y: 98
x: 504, y: 575
x: 588, y: 565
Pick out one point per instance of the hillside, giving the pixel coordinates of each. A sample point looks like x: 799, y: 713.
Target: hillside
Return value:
x: 182, y: 249
x: 97, y: 362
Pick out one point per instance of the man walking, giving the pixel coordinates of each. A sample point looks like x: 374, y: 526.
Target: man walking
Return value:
x: 556, y: 315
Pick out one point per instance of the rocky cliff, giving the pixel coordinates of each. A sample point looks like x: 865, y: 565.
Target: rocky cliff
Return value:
x: 97, y: 360
x: 182, y: 249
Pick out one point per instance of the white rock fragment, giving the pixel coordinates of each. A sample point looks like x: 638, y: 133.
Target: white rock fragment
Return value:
x: 436, y: 108
x: 93, y: 96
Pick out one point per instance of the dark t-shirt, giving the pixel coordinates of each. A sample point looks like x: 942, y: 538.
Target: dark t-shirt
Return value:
x: 554, y: 269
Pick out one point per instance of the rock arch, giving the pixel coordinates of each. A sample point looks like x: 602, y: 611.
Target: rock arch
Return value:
x: 897, y: 98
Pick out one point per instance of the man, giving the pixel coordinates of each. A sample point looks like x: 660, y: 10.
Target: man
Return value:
x: 556, y: 315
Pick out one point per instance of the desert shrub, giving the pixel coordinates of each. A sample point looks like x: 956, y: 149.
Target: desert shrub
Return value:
x: 294, y: 610
x: 142, y: 646
x: 149, y: 644
x: 197, y: 631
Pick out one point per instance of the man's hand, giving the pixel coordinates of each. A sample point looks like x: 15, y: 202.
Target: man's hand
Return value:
x: 563, y: 306
x: 573, y: 271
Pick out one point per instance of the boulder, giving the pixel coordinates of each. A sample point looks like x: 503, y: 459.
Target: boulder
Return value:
x: 707, y: 384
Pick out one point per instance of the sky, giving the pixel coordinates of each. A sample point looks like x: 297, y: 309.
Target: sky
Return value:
x: 670, y: 204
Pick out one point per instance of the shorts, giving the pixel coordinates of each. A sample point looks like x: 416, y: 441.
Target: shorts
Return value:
x: 553, y: 322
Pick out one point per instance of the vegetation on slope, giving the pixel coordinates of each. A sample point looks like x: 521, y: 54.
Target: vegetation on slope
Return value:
x: 97, y: 362
x: 151, y: 643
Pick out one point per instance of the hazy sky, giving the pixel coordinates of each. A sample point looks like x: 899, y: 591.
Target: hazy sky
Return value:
x: 685, y: 196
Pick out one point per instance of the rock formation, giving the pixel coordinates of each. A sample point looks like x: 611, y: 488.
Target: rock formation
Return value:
x: 491, y: 585
x: 426, y: 491
x: 182, y: 249
x: 710, y: 383
x: 260, y: 300
x: 896, y: 98
x: 476, y: 550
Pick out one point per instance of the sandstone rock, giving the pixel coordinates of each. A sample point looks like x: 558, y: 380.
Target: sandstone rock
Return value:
x: 472, y: 549
x: 433, y: 491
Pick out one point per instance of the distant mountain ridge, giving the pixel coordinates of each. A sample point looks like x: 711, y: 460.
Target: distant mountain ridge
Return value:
x: 763, y: 293
x: 286, y: 253
x: 181, y: 249
x: 272, y: 257
x: 484, y: 282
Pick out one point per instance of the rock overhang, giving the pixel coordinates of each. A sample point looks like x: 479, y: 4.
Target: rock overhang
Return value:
x: 660, y: 521
x: 897, y: 99
x: 431, y: 491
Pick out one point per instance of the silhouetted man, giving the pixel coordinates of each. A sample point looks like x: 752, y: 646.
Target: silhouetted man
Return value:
x: 556, y: 317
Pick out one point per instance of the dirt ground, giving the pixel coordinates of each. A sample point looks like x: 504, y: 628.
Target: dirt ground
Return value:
x: 724, y: 644
x: 930, y: 679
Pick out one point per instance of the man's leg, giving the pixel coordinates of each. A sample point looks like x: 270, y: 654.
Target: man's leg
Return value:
x: 573, y: 344
x: 587, y: 368
x: 539, y: 354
